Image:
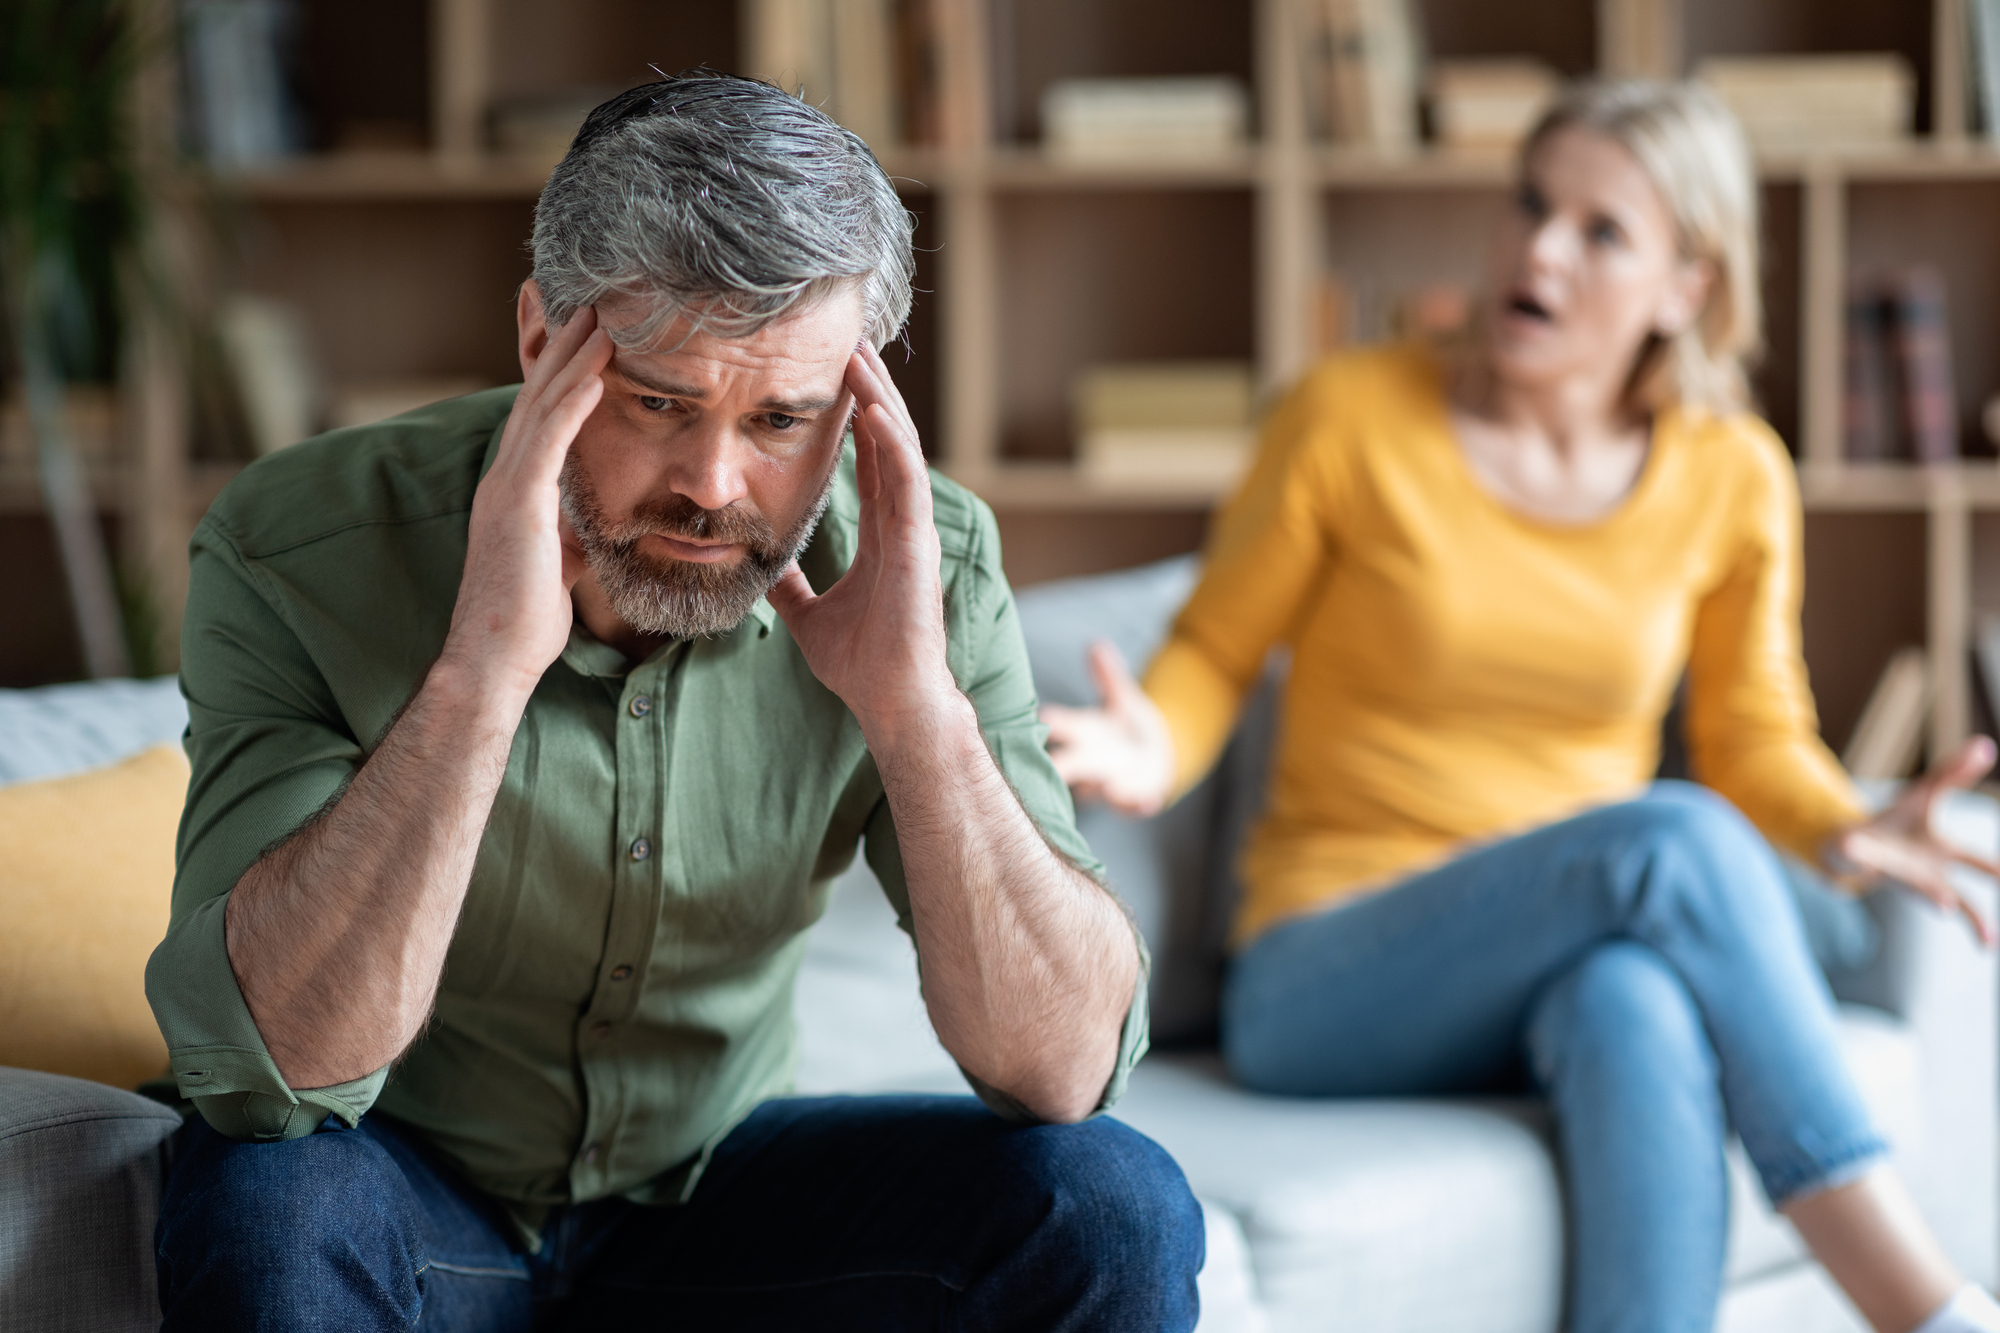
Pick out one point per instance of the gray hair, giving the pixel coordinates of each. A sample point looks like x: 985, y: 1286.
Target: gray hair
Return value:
x: 723, y: 200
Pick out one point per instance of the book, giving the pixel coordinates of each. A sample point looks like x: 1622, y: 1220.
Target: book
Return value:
x: 1890, y: 733
x: 1132, y: 118
x: 1798, y: 103
x: 847, y: 58
x: 1868, y: 418
x: 239, y: 110
x: 268, y: 353
x: 1983, y: 51
x: 1920, y: 349
x: 1364, y: 61
x: 1489, y: 105
x: 1165, y: 422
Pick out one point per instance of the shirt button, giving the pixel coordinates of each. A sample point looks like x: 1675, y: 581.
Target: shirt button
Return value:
x: 641, y: 849
x: 590, y: 1152
x: 621, y: 972
x: 641, y: 705
x: 600, y: 1029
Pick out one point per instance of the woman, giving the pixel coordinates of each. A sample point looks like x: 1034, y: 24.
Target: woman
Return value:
x: 1492, y: 569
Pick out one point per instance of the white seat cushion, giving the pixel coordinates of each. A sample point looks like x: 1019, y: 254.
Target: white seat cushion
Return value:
x: 1428, y: 1214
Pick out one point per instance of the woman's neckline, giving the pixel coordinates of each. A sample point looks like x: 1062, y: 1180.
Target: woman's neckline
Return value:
x: 1634, y: 496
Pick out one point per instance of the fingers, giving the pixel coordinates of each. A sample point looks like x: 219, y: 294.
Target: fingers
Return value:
x: 1972, y: 761
x: 877, y: 385
x: 1109, y: 673
x: 1971, y: 860
x: 791, y: 595
x: 561, y: 348
x: 544, y: 453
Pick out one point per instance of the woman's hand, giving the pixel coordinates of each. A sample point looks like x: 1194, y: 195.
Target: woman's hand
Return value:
x: 1902, y: 843
x: 1121, y: 753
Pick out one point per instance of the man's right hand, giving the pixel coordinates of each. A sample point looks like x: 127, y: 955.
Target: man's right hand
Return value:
x: 1122, y: 753
x: 513, y: 613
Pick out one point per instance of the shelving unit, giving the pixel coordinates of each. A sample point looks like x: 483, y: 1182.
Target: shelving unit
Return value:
x: 404, y: 257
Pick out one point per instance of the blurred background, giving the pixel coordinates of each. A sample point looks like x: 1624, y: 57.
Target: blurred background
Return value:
x: 230, y: 224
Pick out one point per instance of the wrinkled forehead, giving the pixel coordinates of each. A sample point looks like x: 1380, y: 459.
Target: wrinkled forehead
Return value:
x: 800, y: 357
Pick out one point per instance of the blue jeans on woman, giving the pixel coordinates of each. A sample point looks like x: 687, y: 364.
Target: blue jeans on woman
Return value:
x: 1645, y: 963
x: 872, y: 1214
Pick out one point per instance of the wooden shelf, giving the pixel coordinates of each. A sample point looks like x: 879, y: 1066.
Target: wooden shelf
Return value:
x: 113, y: 485
x: 1061, y: 486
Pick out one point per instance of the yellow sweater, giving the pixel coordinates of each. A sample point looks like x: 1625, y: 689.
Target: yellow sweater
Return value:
x: 1462, y: 672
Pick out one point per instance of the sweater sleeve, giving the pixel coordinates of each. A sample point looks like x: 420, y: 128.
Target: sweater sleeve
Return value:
x: 1265, y: 555
x: 1753, y: 733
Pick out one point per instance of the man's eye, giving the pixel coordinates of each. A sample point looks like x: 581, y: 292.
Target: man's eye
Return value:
x: 780, y: 421
x: 653, y: 403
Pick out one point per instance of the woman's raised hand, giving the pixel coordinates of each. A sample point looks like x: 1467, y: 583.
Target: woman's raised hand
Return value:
x: 1120, y: 753
x: 1902, y: 843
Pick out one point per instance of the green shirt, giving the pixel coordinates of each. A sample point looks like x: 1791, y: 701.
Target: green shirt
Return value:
x: 618, y: 993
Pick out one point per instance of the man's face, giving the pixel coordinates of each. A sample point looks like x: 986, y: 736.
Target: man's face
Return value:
x: 704, y: 469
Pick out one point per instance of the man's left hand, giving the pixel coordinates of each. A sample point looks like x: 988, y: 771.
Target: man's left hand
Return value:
x: 876, y: 638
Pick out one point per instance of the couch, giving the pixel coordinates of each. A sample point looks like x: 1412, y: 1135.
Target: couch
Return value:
x: 1381, y: 1215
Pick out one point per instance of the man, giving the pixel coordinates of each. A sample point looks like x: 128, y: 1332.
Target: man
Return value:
x: 527, y: 732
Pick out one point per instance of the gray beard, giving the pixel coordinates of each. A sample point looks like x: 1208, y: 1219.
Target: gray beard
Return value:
x: 680, y: 598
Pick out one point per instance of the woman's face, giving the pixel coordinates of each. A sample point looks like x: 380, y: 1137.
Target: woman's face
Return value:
x: 1585, y: 266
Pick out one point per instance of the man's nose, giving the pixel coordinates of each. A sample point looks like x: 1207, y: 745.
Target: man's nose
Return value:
x: 710, y: 469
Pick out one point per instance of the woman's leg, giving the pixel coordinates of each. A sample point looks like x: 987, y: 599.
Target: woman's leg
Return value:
x: 1619, y: 1047
x: 1429, y: 987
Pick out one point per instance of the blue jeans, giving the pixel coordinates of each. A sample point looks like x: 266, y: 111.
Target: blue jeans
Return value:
x: 1645, y: 963
x: 831, y: 1213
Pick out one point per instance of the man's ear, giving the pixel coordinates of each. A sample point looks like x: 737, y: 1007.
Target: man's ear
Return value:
x: 530, y: 327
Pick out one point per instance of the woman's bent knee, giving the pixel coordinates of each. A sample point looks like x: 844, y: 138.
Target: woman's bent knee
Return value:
x: 1623, y: 1002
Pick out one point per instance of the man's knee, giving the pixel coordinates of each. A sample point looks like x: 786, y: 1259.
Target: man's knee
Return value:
x: 1113, y: 1201
x: 263, y: 1226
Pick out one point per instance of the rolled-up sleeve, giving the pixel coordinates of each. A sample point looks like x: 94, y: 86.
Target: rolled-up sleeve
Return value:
x: 989, y: 659
x: 269, y: 750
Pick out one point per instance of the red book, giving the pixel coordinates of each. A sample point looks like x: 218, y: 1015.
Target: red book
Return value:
x: 1920, y: 345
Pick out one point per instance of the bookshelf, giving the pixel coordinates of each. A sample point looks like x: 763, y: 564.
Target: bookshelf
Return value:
x: 402, y: 237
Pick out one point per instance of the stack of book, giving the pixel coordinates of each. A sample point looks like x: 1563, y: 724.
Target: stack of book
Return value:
x: 1484, y: 105
x: 1801, y: 103
x: 91, y: 418
x: 1164, y: 423
x: 1363, y: 59
x: 1899, y: 400
x: 1103, y: 119
x: 870, y: 64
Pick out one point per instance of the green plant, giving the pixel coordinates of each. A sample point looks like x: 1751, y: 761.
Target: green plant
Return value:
x: 73, y: 214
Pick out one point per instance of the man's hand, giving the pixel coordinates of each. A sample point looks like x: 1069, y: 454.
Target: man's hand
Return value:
x: 876, y: 637
x: 513, y: 613
x: 1028, y: 965
x: 1902, y: 844
x: 362, y: 902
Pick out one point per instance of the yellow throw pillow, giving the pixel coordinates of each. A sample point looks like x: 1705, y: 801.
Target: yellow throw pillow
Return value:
x: 86, y: 878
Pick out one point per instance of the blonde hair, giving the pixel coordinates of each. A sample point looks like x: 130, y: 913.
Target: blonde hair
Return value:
x: 1691, y: 146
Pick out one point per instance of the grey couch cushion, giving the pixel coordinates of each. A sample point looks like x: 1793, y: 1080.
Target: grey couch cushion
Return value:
x: 80, y: 1172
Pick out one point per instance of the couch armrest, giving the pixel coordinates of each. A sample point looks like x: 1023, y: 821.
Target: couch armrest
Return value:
x: 1934, y: 976
x: 81, y: 1166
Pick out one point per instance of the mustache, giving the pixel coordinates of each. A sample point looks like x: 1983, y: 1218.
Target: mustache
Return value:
x: 678, y: 516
